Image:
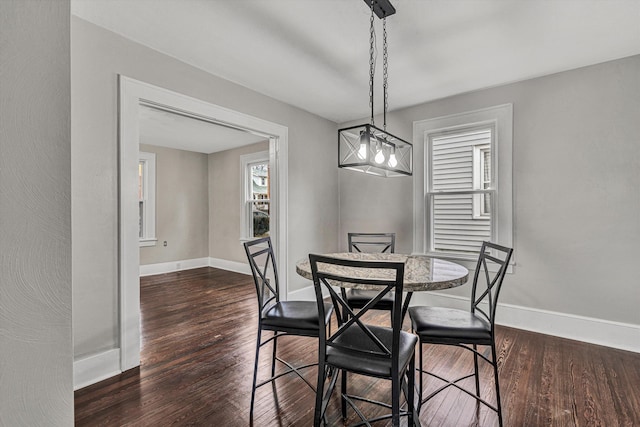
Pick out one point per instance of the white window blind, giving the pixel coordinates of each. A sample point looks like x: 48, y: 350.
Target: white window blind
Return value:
x: 460, y: 190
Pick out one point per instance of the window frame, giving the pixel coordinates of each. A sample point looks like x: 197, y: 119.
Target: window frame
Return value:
x: 246, y: 220
x: 501, y: 119
x: 149, y: 199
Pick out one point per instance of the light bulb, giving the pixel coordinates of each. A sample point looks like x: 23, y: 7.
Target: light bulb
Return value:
x: 364, y: 142
x: 362, y: 152
x: 379, y: 157
x: 393, y: 162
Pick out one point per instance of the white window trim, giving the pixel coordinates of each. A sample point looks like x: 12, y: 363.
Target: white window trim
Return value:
x: 501, y: 117
x: 149, y: 189
x: 246, y: 222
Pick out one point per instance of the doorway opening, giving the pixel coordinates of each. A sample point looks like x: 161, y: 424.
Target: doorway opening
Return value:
x: 134, y: 96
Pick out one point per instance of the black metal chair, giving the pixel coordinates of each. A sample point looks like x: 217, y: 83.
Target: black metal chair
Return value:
x: 467, y: 329
x: 360, y: 348
x: 282, y: 317
x: 370, y: 243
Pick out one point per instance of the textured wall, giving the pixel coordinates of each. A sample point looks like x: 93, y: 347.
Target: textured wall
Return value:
x: 576, y: 168
x: 182, y: 206
x: 35, y: 215
x: 224, y: 203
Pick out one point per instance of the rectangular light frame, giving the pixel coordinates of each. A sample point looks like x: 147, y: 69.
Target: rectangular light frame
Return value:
x: 358, y: 152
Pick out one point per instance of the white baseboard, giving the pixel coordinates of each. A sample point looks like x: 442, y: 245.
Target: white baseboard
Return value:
x: 98, y: 367
x: 168, y: 267
x: 624, y: 336
x: 188, y: 264
x: 235, y: 266
x: 305, y: 294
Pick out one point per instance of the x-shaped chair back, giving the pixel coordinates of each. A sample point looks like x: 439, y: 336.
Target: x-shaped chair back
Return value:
x: 372, y: 242
x: 330, y: 272
x: 264, y: 270
x: 492, y: 267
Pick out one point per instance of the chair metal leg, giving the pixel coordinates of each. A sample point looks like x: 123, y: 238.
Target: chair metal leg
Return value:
x: 395, y: 398
x: 475, y: 369
x: 273, y: 357
x: 411, y: 379
x: 317, y: 415
x: 421, y: 385
x: 255, y: 374
x: 497, y: 384
x: 322, y: 396
x: 343, y: 390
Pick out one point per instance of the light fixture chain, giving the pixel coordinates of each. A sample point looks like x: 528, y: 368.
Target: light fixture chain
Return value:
x: 372, y: 66
x: 385, y: 70
x: 366, y: 148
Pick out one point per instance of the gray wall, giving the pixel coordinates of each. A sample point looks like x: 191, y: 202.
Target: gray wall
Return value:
x: 36, y: 384
x: 182, y: 207
x: 576, y: 199
x: 197, y: 204
x: 371, y: 204
x: 224, y: 202
x: 97, y: 57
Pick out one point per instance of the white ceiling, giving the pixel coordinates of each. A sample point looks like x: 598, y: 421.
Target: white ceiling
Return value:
x: 171, y: 130
x: 314, y: 53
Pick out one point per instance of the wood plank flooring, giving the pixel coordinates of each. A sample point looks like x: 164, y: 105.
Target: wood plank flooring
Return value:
x: 198, y: 343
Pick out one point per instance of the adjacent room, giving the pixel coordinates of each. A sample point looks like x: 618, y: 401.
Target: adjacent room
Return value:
x: 436, y: 200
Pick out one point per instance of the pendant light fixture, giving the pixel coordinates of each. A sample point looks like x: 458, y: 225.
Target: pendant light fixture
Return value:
x: 367, y: 148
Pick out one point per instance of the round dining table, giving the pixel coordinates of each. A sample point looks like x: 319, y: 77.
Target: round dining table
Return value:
x: 421, y: 272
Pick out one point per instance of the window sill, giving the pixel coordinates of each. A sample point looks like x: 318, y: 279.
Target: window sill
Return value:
x: 148, y: 242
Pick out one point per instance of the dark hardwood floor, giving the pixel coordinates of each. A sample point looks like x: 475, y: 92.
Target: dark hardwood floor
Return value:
x: 198, y: 343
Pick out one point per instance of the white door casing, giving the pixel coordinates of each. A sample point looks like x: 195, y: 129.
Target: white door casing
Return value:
x: 133, y: 94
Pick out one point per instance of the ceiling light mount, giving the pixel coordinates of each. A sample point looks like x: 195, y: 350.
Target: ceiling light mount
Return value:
x: 366, y: 148
x: 382, y: 8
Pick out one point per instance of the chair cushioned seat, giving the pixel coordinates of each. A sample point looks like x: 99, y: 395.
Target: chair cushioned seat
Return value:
x: 357, y: 298
x: 354, y: 338
x: 295, y: 315
x: 440, y: 324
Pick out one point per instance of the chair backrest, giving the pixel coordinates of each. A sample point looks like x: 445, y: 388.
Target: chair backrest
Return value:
x: 383, y: 276
x: 491, y: 269
x: 264, y: 270
x: 372, y: 242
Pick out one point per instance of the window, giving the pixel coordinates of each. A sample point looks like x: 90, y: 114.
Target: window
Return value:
x: 147, y: 198
x: 482, y: 180
x: 256, y: 205
x: 459, y: 190
x: 466, y: 196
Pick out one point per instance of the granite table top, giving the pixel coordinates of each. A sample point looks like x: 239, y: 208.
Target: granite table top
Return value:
x: 422, y: 272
